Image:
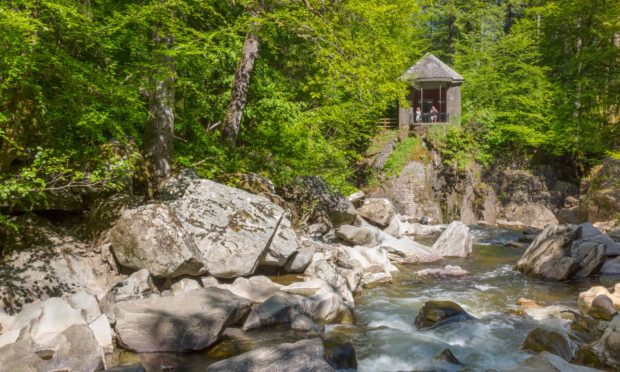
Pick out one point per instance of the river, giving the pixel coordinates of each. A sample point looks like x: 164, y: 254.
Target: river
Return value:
x: 385, y: 337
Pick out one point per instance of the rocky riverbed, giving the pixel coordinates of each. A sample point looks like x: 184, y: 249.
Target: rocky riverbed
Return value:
x: 213, y: 276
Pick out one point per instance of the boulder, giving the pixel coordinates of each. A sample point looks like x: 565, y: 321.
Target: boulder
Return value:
x: 603, y: 353
x: 305, y: 355
x: 256, y: 288
x: 404, y: 250
x: 153, y: 237
x: 447, y: 271
x: 356, y: 235
x: 611, y: 267
x: 585, y: 329
x: 455, y: 241
x: 396, y: 227
x: 323, y: 269
x: 137, y: 285
x: 279, y: 308
x: 202, y: 227
x: 564, y: 251
x: 602, y: 308
x: 357, y: 198
x: 157, y: 323
x: 584, y: 302
x: 590, y: 233
x: 373, y: 261
x: 312, y: 194
x: 590, y: 255
x: 299, y: 260
x: 340, y: 356
x: 539, y: 340
x: 547, y: 362
x: 283, y: 245
x: 325, y: 307
x: 377, y: 211
x: 530, y: 214
x: 43, y: 321
x: 74, y: 349
x: 435, y: 314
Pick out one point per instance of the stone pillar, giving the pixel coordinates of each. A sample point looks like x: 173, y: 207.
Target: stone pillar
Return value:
x: 453, y: 104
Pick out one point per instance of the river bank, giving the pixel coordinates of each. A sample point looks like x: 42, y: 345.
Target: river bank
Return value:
x: 212, y: 276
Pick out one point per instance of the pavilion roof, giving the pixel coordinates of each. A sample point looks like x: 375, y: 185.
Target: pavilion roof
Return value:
x: 430, y: 68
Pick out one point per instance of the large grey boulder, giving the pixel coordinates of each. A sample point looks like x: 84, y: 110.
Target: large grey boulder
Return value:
x: 305, y: 355
x: 377, y: 211
x: 74, y: 349
x: 563, y: 251
x: 455, y: 241
x: 153, y: 237
x: 203, y: 227
x: 42, y: 321
x: 191, y: 321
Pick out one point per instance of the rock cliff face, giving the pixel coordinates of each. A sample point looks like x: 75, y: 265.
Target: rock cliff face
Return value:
x: 601, y: 200
x: 430, y: 191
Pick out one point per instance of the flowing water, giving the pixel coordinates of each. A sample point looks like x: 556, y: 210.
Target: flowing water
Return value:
x: 385, y: 337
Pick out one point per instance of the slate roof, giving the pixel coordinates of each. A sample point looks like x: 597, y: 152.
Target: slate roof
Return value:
x: 430, y: 68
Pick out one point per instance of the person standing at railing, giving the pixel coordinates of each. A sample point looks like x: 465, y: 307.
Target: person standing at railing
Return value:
x: 418, y: 115
x: 434, y: 113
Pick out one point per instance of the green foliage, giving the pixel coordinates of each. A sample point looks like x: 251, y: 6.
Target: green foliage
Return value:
x: 541, y: 82
x: 402, y: 154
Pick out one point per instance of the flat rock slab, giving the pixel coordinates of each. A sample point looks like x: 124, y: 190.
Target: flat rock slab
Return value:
x: 306, y: 355
x: 191, y: 321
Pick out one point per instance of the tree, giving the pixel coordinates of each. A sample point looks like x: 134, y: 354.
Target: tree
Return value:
x: 239, y: 96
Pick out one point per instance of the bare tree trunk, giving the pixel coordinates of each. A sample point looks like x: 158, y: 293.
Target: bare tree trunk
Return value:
x: 232, y: 121
x: 159, y: 129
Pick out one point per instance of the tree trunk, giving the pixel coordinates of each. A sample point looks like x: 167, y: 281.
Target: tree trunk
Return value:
x: 230, y: 126
x: 159, y: 129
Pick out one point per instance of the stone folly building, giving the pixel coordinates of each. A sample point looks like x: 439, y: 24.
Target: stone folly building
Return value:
x: 431, y: 83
